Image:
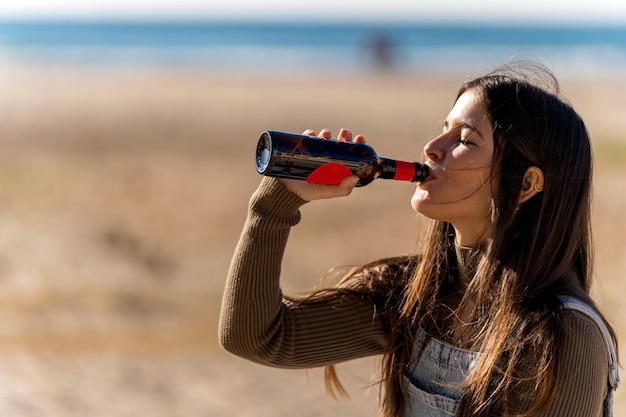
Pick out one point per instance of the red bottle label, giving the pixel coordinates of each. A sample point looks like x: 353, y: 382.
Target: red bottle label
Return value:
x: 405, y: 171
x: 331, y: 173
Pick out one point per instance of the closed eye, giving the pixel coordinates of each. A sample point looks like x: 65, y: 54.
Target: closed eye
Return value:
x: 466, y: 142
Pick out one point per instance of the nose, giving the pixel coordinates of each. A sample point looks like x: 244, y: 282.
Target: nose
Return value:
x: 434, y: 149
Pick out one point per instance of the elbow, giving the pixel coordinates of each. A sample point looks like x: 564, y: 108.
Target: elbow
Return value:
x: 231, y: 336
x: 231, y: 342
x: 260, y: 342
x: 252, y: 349
x: 239, y: 345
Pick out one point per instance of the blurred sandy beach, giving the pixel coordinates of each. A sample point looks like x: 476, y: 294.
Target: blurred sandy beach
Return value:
x: 122, y: 195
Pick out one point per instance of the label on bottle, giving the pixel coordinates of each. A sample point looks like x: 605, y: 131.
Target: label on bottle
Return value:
x: 331, y: 173
x: 405, y: 171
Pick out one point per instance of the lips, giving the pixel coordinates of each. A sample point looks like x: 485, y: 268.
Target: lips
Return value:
x: 426, y: 181
x: 431, y: 174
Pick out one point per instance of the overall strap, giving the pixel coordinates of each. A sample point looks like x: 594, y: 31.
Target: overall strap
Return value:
x: 613, y: 378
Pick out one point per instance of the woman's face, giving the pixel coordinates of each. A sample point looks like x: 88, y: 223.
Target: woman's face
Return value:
x: 458, y: 189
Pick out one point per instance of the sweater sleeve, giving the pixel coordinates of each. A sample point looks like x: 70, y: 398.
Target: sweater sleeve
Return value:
x: 259, y: 324
x: 584, y: 368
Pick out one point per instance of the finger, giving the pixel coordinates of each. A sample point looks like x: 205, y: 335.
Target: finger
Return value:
x: 345, y: 135
x: 360, y: 139
x: 325, y: 133
x: 309, y: 132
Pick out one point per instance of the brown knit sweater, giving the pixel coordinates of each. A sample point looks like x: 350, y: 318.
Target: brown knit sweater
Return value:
x: 258, y: 324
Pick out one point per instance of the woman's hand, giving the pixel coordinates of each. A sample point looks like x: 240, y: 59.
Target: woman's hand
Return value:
x: 310, y: 191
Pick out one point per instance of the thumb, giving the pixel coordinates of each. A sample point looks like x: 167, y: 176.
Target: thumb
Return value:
x: 344, y: 188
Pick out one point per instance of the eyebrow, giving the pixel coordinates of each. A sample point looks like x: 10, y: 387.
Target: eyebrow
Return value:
x: 465, y: 125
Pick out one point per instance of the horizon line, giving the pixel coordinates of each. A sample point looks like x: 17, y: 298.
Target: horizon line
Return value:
x: 286, y: 20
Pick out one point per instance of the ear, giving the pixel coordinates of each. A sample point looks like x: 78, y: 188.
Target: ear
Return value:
x: 531, y: 184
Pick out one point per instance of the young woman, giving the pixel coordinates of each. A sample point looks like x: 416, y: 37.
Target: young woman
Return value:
x: 494, y: 318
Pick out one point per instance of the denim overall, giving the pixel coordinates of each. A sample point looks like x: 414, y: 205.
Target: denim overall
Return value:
x: 432, y: 383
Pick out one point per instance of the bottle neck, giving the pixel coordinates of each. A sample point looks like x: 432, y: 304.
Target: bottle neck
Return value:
x: 388, y: 168
x: 399, y: 170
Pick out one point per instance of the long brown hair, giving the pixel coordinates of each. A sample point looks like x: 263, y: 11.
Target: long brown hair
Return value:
x: 536, y: 251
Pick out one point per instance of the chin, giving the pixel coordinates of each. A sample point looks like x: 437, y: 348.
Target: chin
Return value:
x: 421, y: 200
x: 421, y: 206
x: 424, y: 206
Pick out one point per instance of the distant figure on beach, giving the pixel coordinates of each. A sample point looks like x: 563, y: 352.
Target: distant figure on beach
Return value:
x: 379, y: 51
x: 492, y: 316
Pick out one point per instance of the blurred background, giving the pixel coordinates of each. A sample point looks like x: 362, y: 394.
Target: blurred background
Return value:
x: 126, y: 138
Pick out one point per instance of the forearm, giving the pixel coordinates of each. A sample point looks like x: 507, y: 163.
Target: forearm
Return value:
x: 252, y: 297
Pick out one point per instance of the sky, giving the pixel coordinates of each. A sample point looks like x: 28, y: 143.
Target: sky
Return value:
x: 579, y: 11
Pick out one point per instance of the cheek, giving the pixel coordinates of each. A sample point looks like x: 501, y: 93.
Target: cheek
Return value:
x: 463, y: 158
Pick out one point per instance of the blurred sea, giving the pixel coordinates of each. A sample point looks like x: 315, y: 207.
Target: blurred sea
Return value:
x: 256, y: 47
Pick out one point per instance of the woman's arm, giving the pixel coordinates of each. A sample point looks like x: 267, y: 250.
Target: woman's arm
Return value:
x: 258, y: 324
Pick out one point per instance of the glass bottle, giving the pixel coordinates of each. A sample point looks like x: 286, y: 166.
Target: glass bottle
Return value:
x: 328, y: 161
